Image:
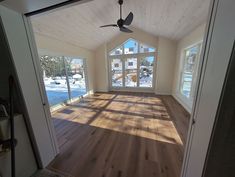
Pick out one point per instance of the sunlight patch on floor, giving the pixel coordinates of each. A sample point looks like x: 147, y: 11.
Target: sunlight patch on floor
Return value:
x: 147, y: 118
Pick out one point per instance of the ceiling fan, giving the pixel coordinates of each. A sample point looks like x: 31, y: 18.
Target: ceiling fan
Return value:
x: 121, y: 23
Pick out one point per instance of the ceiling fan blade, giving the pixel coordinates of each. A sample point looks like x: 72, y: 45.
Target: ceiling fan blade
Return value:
x: 129, y: 19
x: 111, y: 25
x: 126, y: 30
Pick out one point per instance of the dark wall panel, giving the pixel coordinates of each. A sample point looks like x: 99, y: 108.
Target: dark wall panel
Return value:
x: 221, y: 155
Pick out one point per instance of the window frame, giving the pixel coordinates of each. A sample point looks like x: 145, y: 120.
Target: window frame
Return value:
x: 194, y: 73
x: 70, y: 98
x: 123, y: 58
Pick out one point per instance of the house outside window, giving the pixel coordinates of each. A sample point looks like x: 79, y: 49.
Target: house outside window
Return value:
x: 130, y: 64
x: 117, y: 52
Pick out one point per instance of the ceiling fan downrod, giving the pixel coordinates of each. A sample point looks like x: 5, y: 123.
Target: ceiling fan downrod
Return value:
x: 120, y: 2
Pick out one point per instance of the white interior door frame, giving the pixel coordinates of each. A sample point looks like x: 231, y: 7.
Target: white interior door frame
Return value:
x: 41, y: 85
x: 217, y: 48
x: 40, y: 82
x: 20, y: 47
x: 201, y: 71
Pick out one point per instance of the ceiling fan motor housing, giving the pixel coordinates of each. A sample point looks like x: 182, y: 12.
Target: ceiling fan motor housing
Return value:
x: 120, y: 22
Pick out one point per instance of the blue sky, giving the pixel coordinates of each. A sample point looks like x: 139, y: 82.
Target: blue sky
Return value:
x: 133, y: 43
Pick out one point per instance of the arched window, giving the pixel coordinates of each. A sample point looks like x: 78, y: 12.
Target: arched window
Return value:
x: 132, y: 64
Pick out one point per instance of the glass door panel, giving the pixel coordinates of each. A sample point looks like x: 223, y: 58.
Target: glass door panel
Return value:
x: 117, y: 73
x: 54, y: 77
x: 131, y: 72
x: 76, y: 76
x: 64, y: 78
x: 146, y: 71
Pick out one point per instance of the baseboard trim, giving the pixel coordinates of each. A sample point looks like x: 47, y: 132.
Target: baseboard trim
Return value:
x: 162, y: 93
x: 186, y: 107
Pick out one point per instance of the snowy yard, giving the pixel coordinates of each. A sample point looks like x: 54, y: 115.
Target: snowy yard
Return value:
x: 57, y: 91
x: 144, y: 81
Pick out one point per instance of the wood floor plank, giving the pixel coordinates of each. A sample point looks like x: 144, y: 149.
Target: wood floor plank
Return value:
x: 121, y: 134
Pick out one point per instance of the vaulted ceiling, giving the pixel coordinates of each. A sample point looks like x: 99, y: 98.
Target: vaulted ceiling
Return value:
x: 79, y: 24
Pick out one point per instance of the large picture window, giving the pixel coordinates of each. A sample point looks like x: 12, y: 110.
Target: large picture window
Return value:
x: 189, y: 70
x: 132, y: 64
x: 64, y: 78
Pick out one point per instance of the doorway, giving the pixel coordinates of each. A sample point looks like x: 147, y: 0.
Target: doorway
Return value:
x: 132, y: 67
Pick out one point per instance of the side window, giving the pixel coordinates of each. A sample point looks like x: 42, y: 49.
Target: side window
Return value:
x: 189, y: 70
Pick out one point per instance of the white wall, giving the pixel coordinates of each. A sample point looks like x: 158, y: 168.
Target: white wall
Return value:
x: 165, y: 66
x: 189, y: 40
x: 166, y: 50
x: 101, y: 69
x: 52, y: 46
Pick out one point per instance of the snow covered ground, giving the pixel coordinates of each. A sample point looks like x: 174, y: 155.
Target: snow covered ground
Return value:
x: 57, y: 91
x: 145, y: 81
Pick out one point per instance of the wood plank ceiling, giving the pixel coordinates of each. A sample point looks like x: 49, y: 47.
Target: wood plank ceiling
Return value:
x: 79, y: 24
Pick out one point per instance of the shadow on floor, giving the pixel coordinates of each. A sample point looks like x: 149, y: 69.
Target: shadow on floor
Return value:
x: 89, y: 151
x: 121, y: 134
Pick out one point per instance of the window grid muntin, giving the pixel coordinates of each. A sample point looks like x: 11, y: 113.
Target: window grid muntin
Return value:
x: 137, y: 55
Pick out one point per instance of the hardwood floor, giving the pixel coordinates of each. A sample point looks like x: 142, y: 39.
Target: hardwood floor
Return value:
x: 121, y: 135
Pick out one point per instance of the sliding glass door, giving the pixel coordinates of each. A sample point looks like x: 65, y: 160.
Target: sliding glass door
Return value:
x: 64, y: 78
x: 77, y: 77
